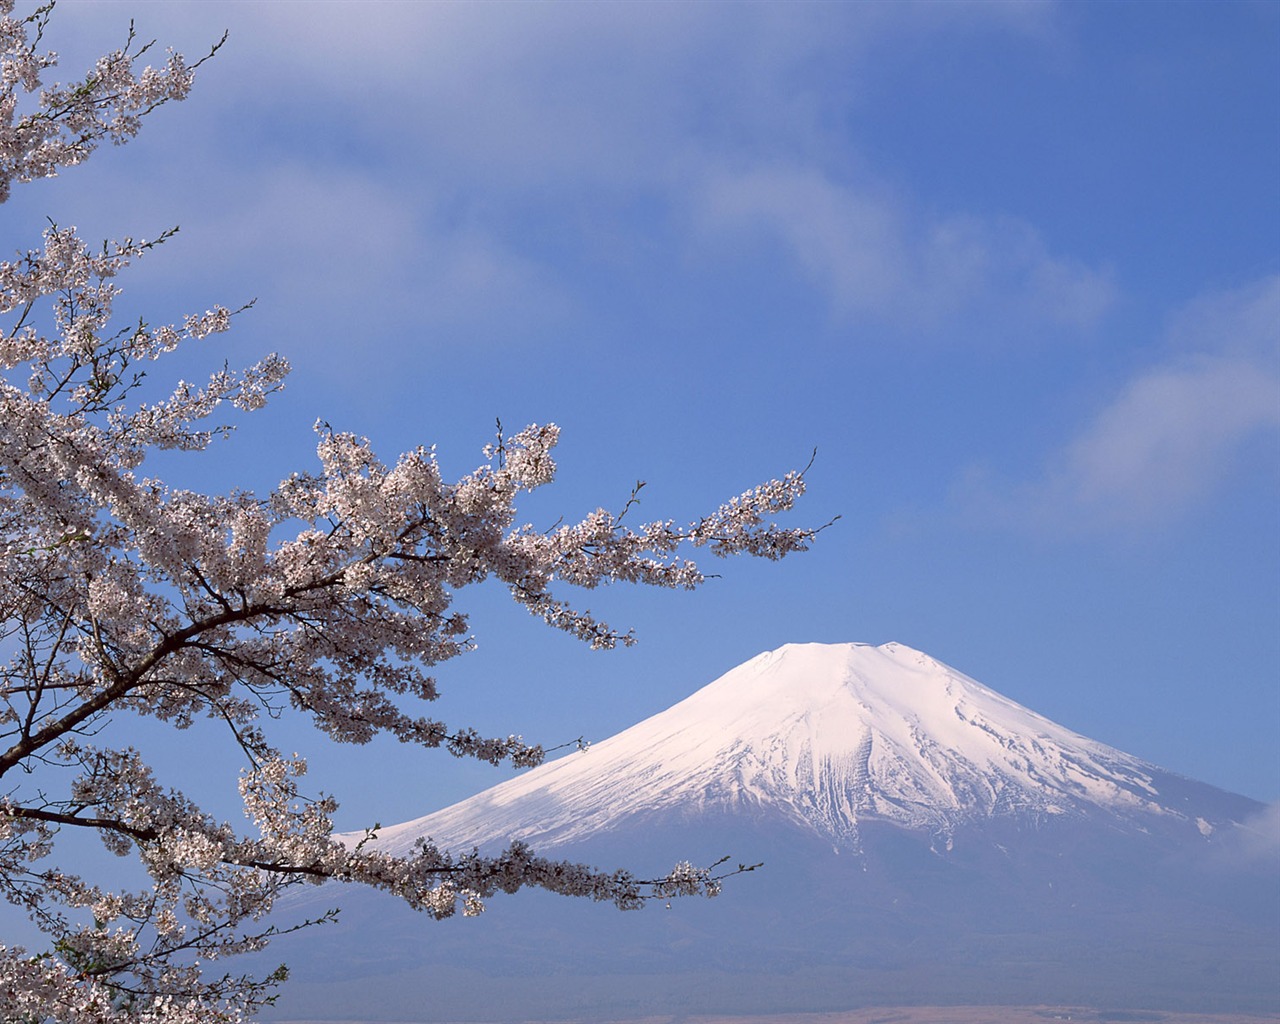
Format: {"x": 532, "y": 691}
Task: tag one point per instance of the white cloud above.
{"x": 870, "y": 256}
{"x": 722, "y": 115}
{"x": 1169, "y": 437}
{"x": 1256, "y": 841}
{"x": 344, "y": 237}
{"x": 547, "y": 101}
{"x": 1173, "y": 433}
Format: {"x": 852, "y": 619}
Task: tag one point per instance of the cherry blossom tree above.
{"x": 334, "y": 597}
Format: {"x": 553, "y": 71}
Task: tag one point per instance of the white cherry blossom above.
{"x": 336, "y": 597}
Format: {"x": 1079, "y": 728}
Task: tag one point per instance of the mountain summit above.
{"x": 831, "y": 737}
{"x": 924, "y": 841}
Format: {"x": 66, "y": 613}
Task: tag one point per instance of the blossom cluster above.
{"x": 65, "y": 123}
{"x": 40, "y": 988}
{"x": 333, "y": 597}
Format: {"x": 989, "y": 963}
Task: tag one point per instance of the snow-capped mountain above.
{"x": 925, "y": 841}
{"x": 831, "y": 737}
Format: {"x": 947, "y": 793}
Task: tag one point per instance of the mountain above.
{"x": 924, "y": 839}
{"x": 828, "y": 738}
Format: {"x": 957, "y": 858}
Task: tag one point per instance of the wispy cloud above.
{"x": 721, "y": 119}
{"x": 870, "y": 256}
{"x": 330, "y": 240}
{"x": 1171, "y": 435}
{"x": 1255, "y": 841}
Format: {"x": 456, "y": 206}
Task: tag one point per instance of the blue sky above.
{"x": 1013, "y": 269}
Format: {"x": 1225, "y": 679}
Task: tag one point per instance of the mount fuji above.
{"x": 924, "y": 839}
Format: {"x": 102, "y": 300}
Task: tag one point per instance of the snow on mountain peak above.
{"x": 828, "y": 735}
